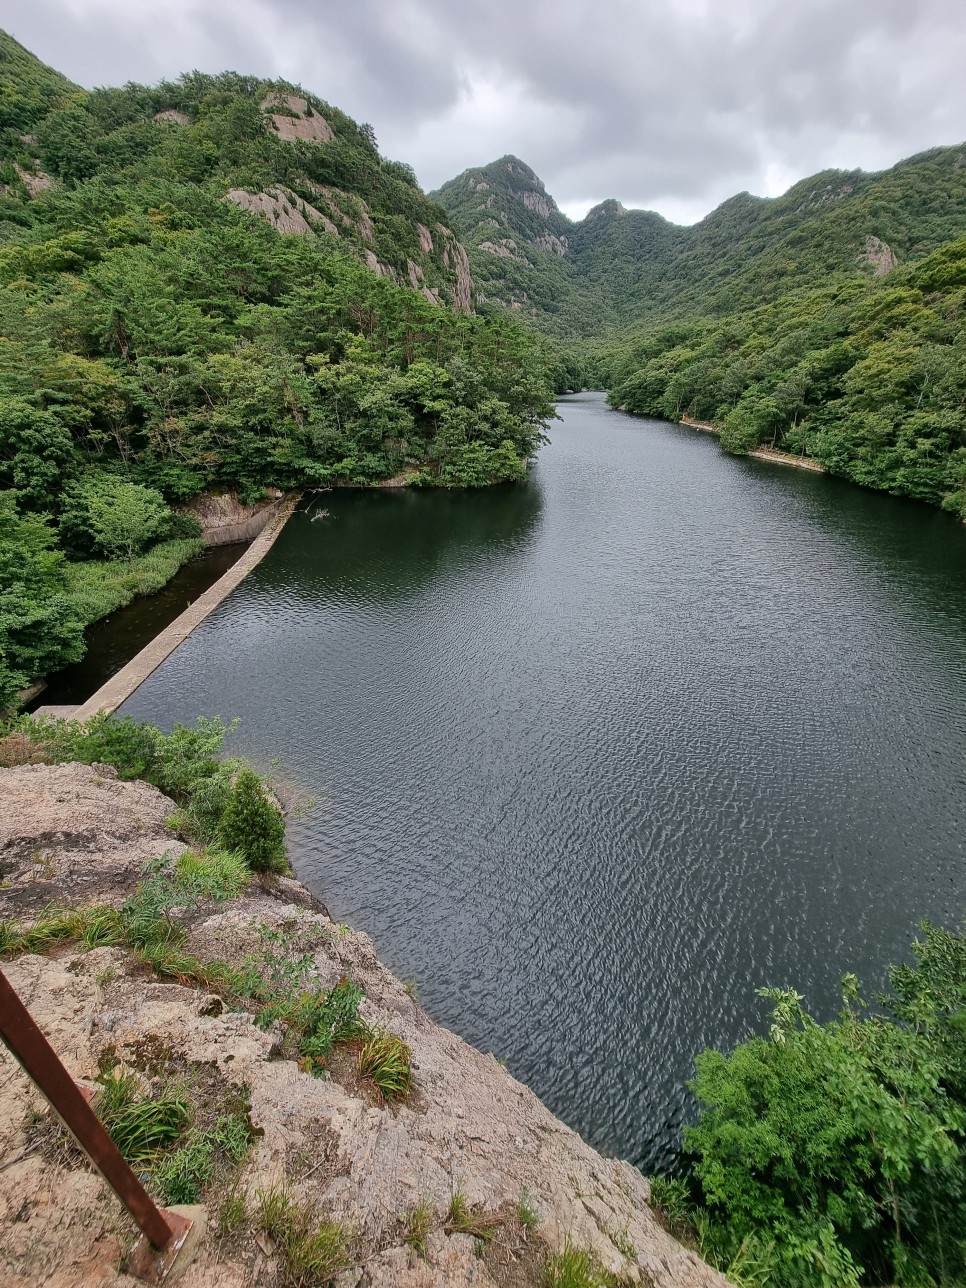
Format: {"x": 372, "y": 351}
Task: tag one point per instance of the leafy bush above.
{"x": 252, "y": 825}
{"x": 104, "y": 514}
{"x": 40, "y": 628}
{"x": 830, "y": 1153}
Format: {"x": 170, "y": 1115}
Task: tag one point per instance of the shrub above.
{"x": 253, "y": 826}
{"x": 833, "y": 1151}
{"x": 104, "y": 514}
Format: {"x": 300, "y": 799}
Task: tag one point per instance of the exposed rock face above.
{"x": 172, "y": 116}
{"x": 76, "y": 832}
{"x": 455, "y": 257}
{"x": 425, "y": 239}
{"x": 536, "y": 201}
{"x": 225, "y": 519}
{"x": 34, "y": 181}
{"x": 468, "y": 1124}
{"x": 879, "y": 255}
{"x": 299, "y": 121}
{"x": 556, "y": 245}
{"x": 283, "y": 210}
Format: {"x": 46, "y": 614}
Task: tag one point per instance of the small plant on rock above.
{"x": 385, "y": 1061}
{"x": 312, "y": 1251}
{"x": 420, "y": 1222}
{"x": 253, "y": 826}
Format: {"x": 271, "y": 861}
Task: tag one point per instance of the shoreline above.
{"x": 132, "y": 675}
{"x": 760, "y": 453}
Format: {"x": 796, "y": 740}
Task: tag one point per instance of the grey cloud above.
{"x": 673, "y": 102}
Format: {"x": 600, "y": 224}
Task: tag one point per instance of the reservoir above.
{"x": 597, "y": 756}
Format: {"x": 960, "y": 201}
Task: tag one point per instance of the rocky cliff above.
{"x": 468, "y": 1180}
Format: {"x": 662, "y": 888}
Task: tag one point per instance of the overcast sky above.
{"x": 670, "y": 105}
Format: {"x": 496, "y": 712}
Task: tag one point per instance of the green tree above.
{"x": 107, "y": 515}
{"x": 40, "y": 630}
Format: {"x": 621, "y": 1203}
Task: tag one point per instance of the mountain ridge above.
{"x": 622, "y": 265}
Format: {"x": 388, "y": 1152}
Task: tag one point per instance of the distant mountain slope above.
{"x": 273, "y": 148}
{"x": 618, "y": 266}
{"x": 26, "y": 86}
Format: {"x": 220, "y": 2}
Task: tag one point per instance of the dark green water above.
{"x": 598, "y": 756}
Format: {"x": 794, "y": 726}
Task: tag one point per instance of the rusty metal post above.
{"x": 165, "y": 1231}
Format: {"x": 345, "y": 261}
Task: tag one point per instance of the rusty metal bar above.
{"x": 30, "y": 1048}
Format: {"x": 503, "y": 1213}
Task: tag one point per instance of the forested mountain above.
{"x": 616, "y": 266}
{"x": 217, "y": 283}
{"x": 827, "y": 322}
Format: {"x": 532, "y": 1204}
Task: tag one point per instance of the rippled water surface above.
{"x": 597, "y": 756}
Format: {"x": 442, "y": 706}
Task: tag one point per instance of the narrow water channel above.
{"x": 597, "y": 756}
{"x": 115, "y": 639}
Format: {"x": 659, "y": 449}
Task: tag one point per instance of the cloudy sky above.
{"x": 671, "y": 105}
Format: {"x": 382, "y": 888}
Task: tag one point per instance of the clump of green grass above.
{"x": 575, "y": 1268}
{"x": 140, "y": 1126}
{"x": 385, "y": 1060}
{"x": 182, "y": 1174}
{"x": 420, "y": 1222}
{"x": 671, "y": 1197}
{"x": 465, "y": 1218}
{"x": 212, "y": 873}
{"x": 232, "y": 1212}
{"x": 312, "y": 1251}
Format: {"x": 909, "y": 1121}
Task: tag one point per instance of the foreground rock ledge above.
{"x": 73, "y": 833}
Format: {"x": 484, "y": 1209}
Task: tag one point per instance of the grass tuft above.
{"x": 312, "y": 1251}
{"x": 212, "y": 873}
{"x": 420, "y": 1222}
{"x": 385, "y": 1060}
{"x": 575, "y": 1267}
{"x": 140, "y": 1127}
{"x": 464, "y": 1218}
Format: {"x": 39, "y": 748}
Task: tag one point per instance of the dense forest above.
{"x": 217, "y": 283}
{"x": 867, "y": 377}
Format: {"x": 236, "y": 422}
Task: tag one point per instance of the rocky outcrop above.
{"x": 467, "y": 1125}
{"x": 879, "y": 256}
{"x": 292, "y": 118}
{"x": 35, "y": 181}
{"x": 283, "y": 210}
{"x": 225, "y": 519}
{"x": 76, "y": 833}
{"x": 456, "y": 259}
{"x": 172, "y": 116}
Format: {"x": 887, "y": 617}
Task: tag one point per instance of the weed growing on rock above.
{"x": 232, "y": 1212}
{"x": 575, "y": 1267}
{"x": 312, "y": 1251}
{"x": 385, "y": 1061}
{"x": 526, "y": 1212}
{"x": 182, "y": 1174}
{"x": 420, "y": 1223}
{"x": 464, "y": 1218}
{"x": 212, "y": 873}
{"x": 141, "y": 1127}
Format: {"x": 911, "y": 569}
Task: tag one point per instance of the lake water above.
{"x": 597, "y": 756}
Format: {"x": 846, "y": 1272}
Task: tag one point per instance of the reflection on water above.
{"x": 598, "y": 756}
